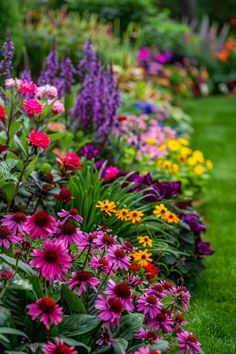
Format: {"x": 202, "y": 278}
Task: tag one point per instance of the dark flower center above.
{"x": 153, "y": 352}
{"x": 4, "y": 232}
{"x": 192, "y": 338}
{"x": 19, "y": 217}
{"x": 74, "y": 211}
{"x": 109, "y": 240}
{"x": 92, "y": 237}
{"x": 120, "y": 253}
{"x": 103, "y": 261}
{"x": 167, "y": 285}
{"x": 41, "y": 218}
{"x": 144, "y": 256}
{"x": 179, "y": 317}
{"x": 122, "y": 290}
{"x": 62, "y": 349}
{"x": 68, "y": 228}
{"x": 115, "y": 305}
{"x": 152, "y": 299}
{"x": 150, "y": 336}
{"x": 82, "y": 276}
{"x": 47, "y": 305}
{"x": 161, "y": 317}
{"x": 51, "y": 256}
{"x": 128, "y": 245}
{"x": 158, "y": 288}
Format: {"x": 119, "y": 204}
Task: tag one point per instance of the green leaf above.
{"x": 121, "y": 346}
{"x": 23, "y": 266}
{"x": 75, "y": 325}
{"x": 56, "y": 136}
{"x": 161, "y": 345}
{"x": 9, "y": 330}
{"x": 129, "y": 324}
{"x": 73, "y": 302}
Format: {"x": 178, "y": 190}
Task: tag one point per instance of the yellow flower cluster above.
{"x": 142, "y": 257}
{"x": 172, "y": 167}
{"x": 109, "y": 207}
{"x": 162, "y": 212}
{"x": 197, "y": 161}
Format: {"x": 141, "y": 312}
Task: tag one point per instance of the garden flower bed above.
{"x": 99, "y": 236}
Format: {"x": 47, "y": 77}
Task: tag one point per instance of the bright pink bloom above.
{"x": 7, "y": 274}
{"x": 52, "y": 262}
{"x": 7, "y": 237}
{"x": 157, "y": 290}
{"x": 182, "y": 296}
{"x": 110, "y": 310}
{"x": 121, "y": 291}
{"x": 188, "y": 343}
{"x": 2, "y": 113}
{"x": 105, "y": 241}
{"x": 39, "y": 139}
{"x": 58, "y": 107}
{"x": 81, "y": 279}
{"x": 70, "y": 214}
{"x": 98, "y": 262}
{"x": 71, "y": 160}
{"x": 27, "y": 88}
{"x": 15, "y": 221}
{"x": 147, "y": 335}
{"x": 46, "y": 91}
{"x": 149, "y": 305}
{"x": 47, "y": 310}
{"x": 111, "y": 172}
{"x": 32, "y": 107}
{"x": 168, "y": 286}
{"x": 40, "y": 224}
{"x": 118, "y": 257}
{"x": 144, "y": 54}
{"x": 161, "y": 321}
{"x": 146, "y": 350}
{"x": 58, "y": 348}
{"x": 86, "y": 240}
{"x": 67, "y": 232}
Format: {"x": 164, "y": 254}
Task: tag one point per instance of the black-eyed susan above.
{"x": 122, "y": 214}
{"x": 107, "y": 206}
{"x": 171, "y": 218}
{"x": 143, "y": 258}
{"x": 135, "y": 216}
{"x": 146, "y": 241}
{"x": 160, "y": 210}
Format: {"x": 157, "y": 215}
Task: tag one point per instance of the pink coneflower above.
{"x": 168, "y": 286}
{"x": 106, "y": 338}
{"x": 70, "y": 214}
{"x": 110, "y": 310}
{"x": 7, "y": 274}
{"x": 71, "y": 160}
{"x": 15, "y": 221}
{"x": 64, "y": 196}
{"x": 32, "y": 107}
{"x": 146, "y": 350}
{"x": 58, "y": 348}
{"x": 188, "y": 343}
{"x": 67, "y": 232}
{"x": 161, "y": 321}
{"x": 157, "y": 290}
{"x": 7, "y": 236}
{"x": 27, "y": 87}
{"x": 118, "y": 257}
{"x": 86, "y": 240}
{"x": 40, "y": 224}
{"x": 105, "y": 241}
{"x": 98, "y": 262}
{"x": 46, "y": 91}
{"x": 81, "y": 279}
{"x": 58, "y": 107}
{"x": 2, "y": 113}
{"x": 39, "y": 139}
{"x": 149, "y": 305}
{"x": 47, "y": 310}
{"x": 121, "y": 291}
{"x": 52, "y": 261}
{"x": 134, "y": 280}
{"x": 182, "y": 296}
{"x": 147, "y": 335}
{"x": 179, "y": 320}
{"x": 111, "y": 172}
{"x": 128, "y": 247}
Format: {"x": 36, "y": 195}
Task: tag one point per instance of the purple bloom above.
{"x": 89, "y": 151}
{"x": 70, "y": 214}
{"x": 48, "y": 75}
{"x": 193, "y": 221}
{"x": 68, "y": 233}
{"x": 147, "y": 335}
{"x": 66, "y": 79}
{"x": 26, "y": 75}
{"x": 15, "y": 222}
{"x": 110, "y": 310}
{"x": 188, "y": 343}
{"x": 80, "y": 280}
{"x": 118, "y": 257}
{"x": 161, "y": 321}
{"x": 121, "y": 291}
{"x": 149, "y": 305}
{"x": 144, "y": 54}
{"x": 203, "y": 248}
{"x": 8, "y": 54}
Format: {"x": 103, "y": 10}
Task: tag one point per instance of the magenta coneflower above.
{"x": 67, "y": 232}
{"x": 128, "y": 247}
{"x": 7, "y": 237}
{"x": 146, "y": 350}
{"x": 147, "y": 335}
{"x": 7, "y": 274}
{"x": 110, "y": 310}
{"x": 161, "y": 321}
{"x": 179, "y": 320}
{"x": 167, "y": 286}
{"x": 188, "y": 343}
{"x": 15, "y": 221}
{"x": 86, "y": 240}
{"x": 149, "y": 305}
{"x": 182, "y": 296}
{"x": 47, "y": 310}
{"x": 121, "y": 291}
{"x": 105, "y": 241}
{"x": 157, "y": 290}
{"x": 81, "y": 279}
{"x": 52, "y": 261}
{"x": 134, "y": 280}
{"x": 98, "y": 262}
{"x": 40, "y": 224}
{"x": 70, "y": 214}
{"x": 118, "y": 257}
{"x": 58, "y": 348}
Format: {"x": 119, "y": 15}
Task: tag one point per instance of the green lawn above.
{"x": 213, "y": 311}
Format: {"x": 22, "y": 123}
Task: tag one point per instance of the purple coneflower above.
{"x": 67, "y": 232}
{"x": 72, "y": 213}
{"x": 161, "y": 321}
{"x": 121, "y": 291}
{"x": 58, "y": 348}
{"x": 118, "y": 257}
{"x": 104, "y": 240}
{"x": 146, "y": 350}
{"x": 157, "y": 290}
{"x": 110, "y": 310}
{"x": 40, "y": 224}
{"x": 99, "y": 262}
{"x": 47, "y": 310}
{"x": 147, "y": 335}
{"x": 81, "y": 279}
{"x": 188, "y": 343}
{"x": 15, "y": 222}
{"x": 149, "y": 305}
{"x": 182, "y": 296}
{"x": 7, "y": 236}
{"x": 86, "y": 240}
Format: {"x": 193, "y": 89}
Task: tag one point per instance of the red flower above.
{"x": 64, "y": 195}
{"x": 27, "y": 87}
{"x": 38, "y": 139}
{"x": 151, "y": 270}
{"x": 32, "y": 107}
{"x": 121, "y": 118}
{"x": 2, "y": 113}
{"x": 2, "y": 148}
{"x": 71, "y": 160}
{"x": 134, "y": 267}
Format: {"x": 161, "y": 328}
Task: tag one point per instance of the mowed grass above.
{"x": 213, "y": 309}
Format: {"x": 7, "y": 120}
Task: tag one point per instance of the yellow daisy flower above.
{"x": 209, "y": 164}
{"x": 174, "y": 168}
{"x": 160, "y": 210}
{"x": 199, "y": 170}
{"x": 171, "y": 218}
{"x": 107, "y": 206}
{"x": 122, "y": 214}
{"x": 146, "y": 241}
{"x": 183, "y": 141}
{"x": 135, "y": 216}
{"x": 192, "y": 161}
{"x": 198, "y": 156}
{"x": 173, "y": 145}
{"x": 142, "y": 257}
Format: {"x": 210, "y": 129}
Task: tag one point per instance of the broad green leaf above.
{"x": 74, "y": 325}
{"x": 129, "y": 324}
{"x": 23, "y": 266}
{"x": 12, "y": 331}
{"x": 73, "y": 302}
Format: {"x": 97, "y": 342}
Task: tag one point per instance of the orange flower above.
{"x": 223, "y": 55}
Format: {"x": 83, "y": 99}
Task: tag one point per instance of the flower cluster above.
{"x": 123, "y": 214}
